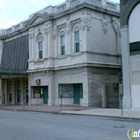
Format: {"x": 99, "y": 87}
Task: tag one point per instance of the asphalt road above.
{"x": 44, "y": 126}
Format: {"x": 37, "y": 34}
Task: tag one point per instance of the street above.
{"x": 16, "y": 125}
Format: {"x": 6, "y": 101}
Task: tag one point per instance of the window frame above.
{"x": 40, "y": 50}
{"x": 62, "y": 44}
{"x": 76, "y": 42}
{"x": 40, "y": 46}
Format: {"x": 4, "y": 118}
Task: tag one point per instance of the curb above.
{"x": 67, "y": 113}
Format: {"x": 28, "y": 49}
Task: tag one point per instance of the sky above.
{"x": 14, "y": 11}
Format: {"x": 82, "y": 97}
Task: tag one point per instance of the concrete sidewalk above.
{"x": 76, "y": 109}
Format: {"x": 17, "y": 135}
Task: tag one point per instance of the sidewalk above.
{"x": 76, "y": 109}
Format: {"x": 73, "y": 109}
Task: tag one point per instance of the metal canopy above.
{"x": 15, "y": 56}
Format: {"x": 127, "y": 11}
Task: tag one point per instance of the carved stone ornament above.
{"x": 40, "y": 38}
{"x": 47, "y": 23}
{"x": 54, "y": 34}
{"x": 47, "y": 29}
{"x": 86, "y": 23}
{"x": 125, "y": 1}
{"x": 105, "y": 26}
{"x": 31, "y": 35}
{"x": 85, "y": 11}
{"x": 67, "y": 29}
{"x": 31, "y": 29}
{"x": 68, "y": 17}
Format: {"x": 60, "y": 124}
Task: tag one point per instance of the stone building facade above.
{"x": 74, "y": 52}
{"x": 130, "y": 43}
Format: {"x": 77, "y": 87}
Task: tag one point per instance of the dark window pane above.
{"x": 62, "y": 50}
{"x": 77, "y": 48}
{"x": 40, "y": 54}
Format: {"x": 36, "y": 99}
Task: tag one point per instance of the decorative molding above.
{"x": 31, "y": 30}
{"x": 47, "y": 23}
{"x": 105, "y": 23}
{"x": 54, "y": 33}
{"x": 86, "y": 23}
{"x": 105, "y": 26}
{"x": 85, "y": 11}
{"x": 125, "y": 1}
{"x": 68, "y": 16}
{"x": 67, "y": 29}
{"x": 47, "y": 29}
{"x": 54, "y": 22}
{"x": 39, "y": 30}
{"x": 40, "y": 37}
{"x": 31, "y": 35}
{"x": 116, "y": 25}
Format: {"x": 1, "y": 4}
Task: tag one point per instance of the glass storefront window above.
{"x": 37, "y": 92}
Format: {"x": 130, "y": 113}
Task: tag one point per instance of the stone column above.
{"x": 1, "y": 48}
{"x": 29, "y": 90}
{"x": 22, "y": 87}
{"x": 0, "y": 91}
{"x": 51, "y": 91}
{"x": 5, "y": 91}
{"x": 127, "y": 99}
{"x": 13, "y": 91}
{"x": 104, "y": 96}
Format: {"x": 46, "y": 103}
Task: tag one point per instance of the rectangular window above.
{"x": 77, "y": 42}
{"x": 40, "y": 50}
{"x": 37, "y": 92}
{"x": 62, "y": 45}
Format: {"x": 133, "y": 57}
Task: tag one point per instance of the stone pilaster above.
{"x": 127, "y": 101}
{"x": 13, "y": 91}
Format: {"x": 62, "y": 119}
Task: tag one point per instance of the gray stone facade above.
{"x": 59, "y": 67}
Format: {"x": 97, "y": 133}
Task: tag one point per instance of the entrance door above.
{"x": 45, "y": 95}
{"x": 77, "y": 90}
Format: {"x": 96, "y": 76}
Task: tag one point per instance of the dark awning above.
{"x": 15, "y": 56}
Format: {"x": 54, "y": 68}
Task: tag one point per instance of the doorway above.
{"x": 77, "y": 93}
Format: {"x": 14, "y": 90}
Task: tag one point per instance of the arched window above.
{"x": 40, "y": 40}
